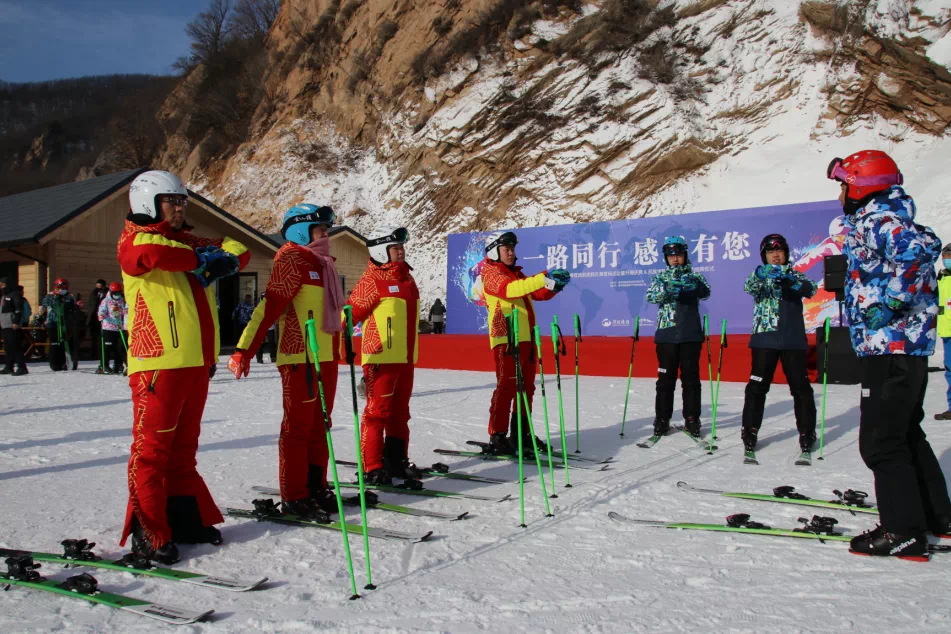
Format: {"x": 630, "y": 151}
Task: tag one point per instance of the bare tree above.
{"x": 209, "y": 31}
{"x": 252, "y": 19}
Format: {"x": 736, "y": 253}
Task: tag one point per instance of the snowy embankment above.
{"x": 64, "y": 444}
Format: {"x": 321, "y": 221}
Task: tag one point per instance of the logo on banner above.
{"x": 607, "y": 323}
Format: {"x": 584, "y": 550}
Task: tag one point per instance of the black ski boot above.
{"x": 397, "y": 465}
{"x": 499, "y": 445}
{"x": 304, "y": 508}
{"x": 166, "y": 554}
{"x": 942, "y": 527}
{"x": 6, "y": 370}
{"x": 880, "y": 543}
{"x": 692, "y": 426}
{"x": 943, "y": 415}
{"x": 320, "y": 495}
{"x": 377, "y": 476}
{"x": 184, "y": 519}
{"x": 20, "y": 371}
{"x": 661, "y": 426}
{"x": 749, "y": 438}
{"x": 806, "y": 441}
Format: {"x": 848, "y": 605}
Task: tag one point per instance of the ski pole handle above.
{"x": 637, "y": 328}
{"x": 348, "y": 339}
{"x": 514, "y": 327}
{"x": 578, "y": 328}
{"x": 311, "y": 327}
{"x": 538, "y": 342}
{"x": 723, "y": 341}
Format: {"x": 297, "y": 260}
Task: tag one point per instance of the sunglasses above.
{"x": 175, "y": 201}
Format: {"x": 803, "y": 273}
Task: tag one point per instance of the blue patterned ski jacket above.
{"x": 777, "y": 310}
{"x": 678, "y": 314}
{"x": 891, "y": 257}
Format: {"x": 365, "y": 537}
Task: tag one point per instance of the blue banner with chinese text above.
{"x": 612, "y": 263}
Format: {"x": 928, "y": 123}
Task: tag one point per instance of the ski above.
{"x": 294, "y": 520}
{"x": 749, "y": 457}
{"x": 804, "y": 459}
{"x": 818, "y": 528}
{"x": 383, "y": 506}
{"x": 700, "y": 441}
{"x": 650, "y": 442}
{"x": 78, "y": 552}
{"x": 513, "y": 458}
{"x": 440, "y": 470}
{"x": 554, "y": 452}
{"x": 852, "y": 501}
{"x": 22, "y": 572}
{"x": 397, "y": 488}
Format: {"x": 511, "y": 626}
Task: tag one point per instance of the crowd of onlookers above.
{"x": 58, "y": 327}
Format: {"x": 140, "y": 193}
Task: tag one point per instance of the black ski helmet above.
{"x": 773, "y": 242}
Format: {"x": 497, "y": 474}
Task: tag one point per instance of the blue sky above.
{"x": 52, "y": 39}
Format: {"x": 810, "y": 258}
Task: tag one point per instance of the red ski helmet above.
{"x": 865, "y": 173}
{"x": 61, "y": 282}
{"x": 115, "y": 287}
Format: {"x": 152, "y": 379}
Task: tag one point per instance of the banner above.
{"x": 612, "y": 263}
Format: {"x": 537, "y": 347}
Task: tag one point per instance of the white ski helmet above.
{"x": 496, "y": 239}
{"x": 143, "y": 206}
{"x": 382, "y": 239}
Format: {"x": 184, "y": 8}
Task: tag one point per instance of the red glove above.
{"x": 240, "y": 363}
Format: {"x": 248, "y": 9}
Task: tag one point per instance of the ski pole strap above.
{"x": 348, "y": 339}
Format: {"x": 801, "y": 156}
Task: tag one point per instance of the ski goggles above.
{"x": 836, "y": 172}
{"x": 774, "y": 243}
{"x": 507, "y": 239}
{"x": 675, "y": 249}
{"x": 399, "y": 236}
{"x": 321, "y": 216}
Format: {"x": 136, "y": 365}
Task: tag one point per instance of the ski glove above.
{"x": 240, "y": 363}
{"x": 879, "y": 315}
{"x": 561, "y": 277}
{"x": 214, "y": 264}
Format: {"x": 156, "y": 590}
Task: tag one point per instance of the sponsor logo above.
{"x": 901, "y": 547}
{"x": 662, "y": 370}
{"x": 314, "y": 275}
{"x": 753, "y": 377}
{"x": 394, "y": 289}
{"x": 607, "y": 323}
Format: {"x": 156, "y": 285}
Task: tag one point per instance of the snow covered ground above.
{"x": 64, "y": 443}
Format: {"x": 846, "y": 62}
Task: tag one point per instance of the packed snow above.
{"x": 64, "y": 442}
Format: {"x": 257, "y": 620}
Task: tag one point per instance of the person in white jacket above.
{"x": 113, "y": 313}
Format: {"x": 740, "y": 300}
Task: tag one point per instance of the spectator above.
{"x": 944, "y": 322}
{"x": 61, "y": 325}
{"x": 242, "y": 313}
{"x": 95, "y": 327}
{"x": 113, "y": 313}
{"x": 437, "y": 317}
{"x": 11, "y": 316}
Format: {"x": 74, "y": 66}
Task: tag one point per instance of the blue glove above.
{"x": 775, "y": 273}
{"x": 688, "y": 282}
{"x": 561, "y": 278}
{"x": 877, "y": 316}
{"x": 213, "y": 264}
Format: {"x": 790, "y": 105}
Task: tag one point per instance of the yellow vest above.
{"x": 500, "y": 308}
{"x": 392, "y": 329}
{"x": 292, "y": 327}
{"x": 944, "y": 305}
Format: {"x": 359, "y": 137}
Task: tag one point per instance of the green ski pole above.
{"x": 555, "y": 339}
{"x": 541, "y": 370}
{"x": 630, "y": 371}
{"x": 716, "y": 398}
{"x": 825, "y": 373}
{"x": 314, "y": 349}
{"x": 538, "y": 460}
{"x": 351, "y": 356}
{"x": 102, "y": 351}
{"x": 577, "y": 402}
{"x": 706, "y": 335}
{"x": 513, "y": 339}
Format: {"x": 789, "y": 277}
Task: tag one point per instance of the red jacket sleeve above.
{"x": 364, "y": 298}
{"x": 139, "y": 253}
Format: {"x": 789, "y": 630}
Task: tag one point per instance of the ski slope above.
{"x": 64, "y": 444}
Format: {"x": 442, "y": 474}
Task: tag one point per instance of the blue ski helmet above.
{"x": 674, "y": 245}
{"x": 299, "y": 218}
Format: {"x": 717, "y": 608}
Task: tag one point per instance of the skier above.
{"x": 270, "y": 341}
{"x": 61, "y": 311}
{"x": 891, "y": 302}
{"x": 173, "y": 348}
{"x": 437, "y": 317}
{"x": 113, "y": 313}
{"x": 386, "y": 300}
{"x": 242, "y": 314}
{"x": 11, "y": 318}
{"x": 506, "y": 287}
{"x": 95, "y": 325}
{"x": 944, "y": 322}
{"x": 679, "y": 337}
{"x": 779, "y": 334}
{"x": 304, "y": 284}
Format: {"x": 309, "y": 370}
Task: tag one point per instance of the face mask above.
{"x": 947, "y": 263}
{"x": 62, "y": 291}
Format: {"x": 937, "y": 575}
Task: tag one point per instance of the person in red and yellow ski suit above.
{"x": 173, "y": 349}
{"x": 506, "y": 288}
{"x": 386, "y": 300}
{"x": 302, "y": 281}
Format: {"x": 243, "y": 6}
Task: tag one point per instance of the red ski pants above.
{"x": 166, "y": 421}
{"x": 389, "y": 387}
{"x": 303, "y": 440}
{"x": 503, "y": 399}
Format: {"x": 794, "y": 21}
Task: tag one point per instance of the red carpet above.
{"x": 598, "y": 356}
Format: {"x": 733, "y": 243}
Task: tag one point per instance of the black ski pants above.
{"x": 12, "y": 350}
{"x": 761, "y": 377}
{"x": 270, "y": 340}
{"x": 910, "y": 488}
{"x": 58, "y": 351}
{"x": 671, "y": 358}
{"x": 115, "y": 350}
